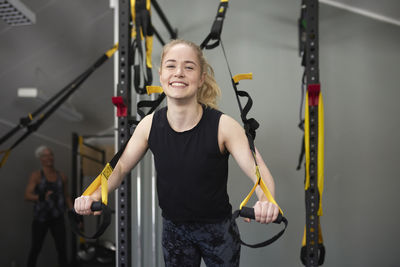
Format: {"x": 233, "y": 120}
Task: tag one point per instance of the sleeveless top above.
{"x": 192, "y": 174}
{"x": 54, "y": 206}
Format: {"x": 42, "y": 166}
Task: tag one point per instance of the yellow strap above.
{"x": 101, "y": 179}
{"x": 151, "y": 89}
{"x": 264, "y": 188}
{"x": 223, "y": 1}
{"x": 30, "y": 116}
{"x": 80, "y": 141}
{"x": 5, "y": 157}
{"x": 320, "y": 163}
{"x": 80, "y": 144}
{"x": 133, "y": 12}
{"x": 111, "y": 52}
{"x": 247, "y": 198}
{"x": 149, "y": 51}
{"x": 320, "y": 152}
{"x": 148, "y": 5}
{"x": 242, "y": 76}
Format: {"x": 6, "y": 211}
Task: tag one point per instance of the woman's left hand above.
{"x": 265, "y": 211}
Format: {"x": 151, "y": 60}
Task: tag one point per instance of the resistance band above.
{"x": 250, "y": 125}
{"x": 28, "y": 121}
{"x": 101, "y": 180}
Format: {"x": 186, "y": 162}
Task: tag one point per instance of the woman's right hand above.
{"x": 82, "y": 205}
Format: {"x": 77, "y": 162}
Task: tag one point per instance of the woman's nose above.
{"x": 179, "y": 71}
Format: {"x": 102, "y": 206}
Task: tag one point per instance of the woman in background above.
{"x": 47, "y": 189}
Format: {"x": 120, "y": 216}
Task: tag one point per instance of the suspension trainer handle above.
{"x": 75, "y": 220}
{"x": 96, "y": 206}
{"x": 247, "y": 212}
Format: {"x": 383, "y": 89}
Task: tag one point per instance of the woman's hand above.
{"x": 82, "y": 205}
{"x": 265, "y": 212}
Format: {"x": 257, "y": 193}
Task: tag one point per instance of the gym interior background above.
{"x": 359, "y": 73}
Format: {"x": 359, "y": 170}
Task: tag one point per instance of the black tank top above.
{"x": 54, "y": 206}
{"x": 192, "y": 173}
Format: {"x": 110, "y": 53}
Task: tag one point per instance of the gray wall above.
{"x": 359, "y": 72}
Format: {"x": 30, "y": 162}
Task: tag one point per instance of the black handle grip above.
{"x": 96, "y": 206}
{"x": 247, "y": 212}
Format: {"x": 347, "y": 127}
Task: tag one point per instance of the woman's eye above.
{"x": 189, "y": 67}
{"x": 170, "y": 66}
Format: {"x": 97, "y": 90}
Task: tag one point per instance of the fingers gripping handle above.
{"x": 96, "y": 206}
{"x": 247, "y": 212}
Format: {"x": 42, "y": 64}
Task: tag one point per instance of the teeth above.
{"x": 178, "y": 84}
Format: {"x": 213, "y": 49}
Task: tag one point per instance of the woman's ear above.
{"x": 202, "y": 78}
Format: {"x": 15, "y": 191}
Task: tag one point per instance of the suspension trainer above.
{"x": 313, "y": 250}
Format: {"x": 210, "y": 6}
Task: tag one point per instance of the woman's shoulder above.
{"x": 228, "y": 126}
{"x": 228, "y": 121}
{"x": 35, "y": 176}
{"x": 145, "y": 123}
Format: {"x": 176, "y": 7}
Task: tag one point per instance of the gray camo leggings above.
{"x": 184, "y": 244}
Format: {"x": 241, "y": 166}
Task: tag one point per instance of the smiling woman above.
{"x": 191, "y": 142}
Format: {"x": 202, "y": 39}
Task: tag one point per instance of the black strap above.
{"x": 152, "y": 104}
{"x": 216, "y": 29}
{"x": 250, "y": 125}
{"x": 142, "y": 25}
{"x": 249, "y": 213}
{"x": 62, "y": 96}
{"x": 76, "y": 220}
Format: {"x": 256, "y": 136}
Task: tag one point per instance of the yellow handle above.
{"x": 242, "y": 76}
{"x": 151, "y": 89}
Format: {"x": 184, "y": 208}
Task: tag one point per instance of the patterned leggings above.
{"x": 184, "y": 244}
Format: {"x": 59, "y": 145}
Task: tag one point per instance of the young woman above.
{"x": 191, "y": 141}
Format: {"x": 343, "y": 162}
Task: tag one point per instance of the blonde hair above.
{"x": 209, "y": 92}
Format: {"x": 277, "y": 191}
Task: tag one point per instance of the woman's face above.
{"x": 180, "y": 73}
{"x": 47, "y": 158}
